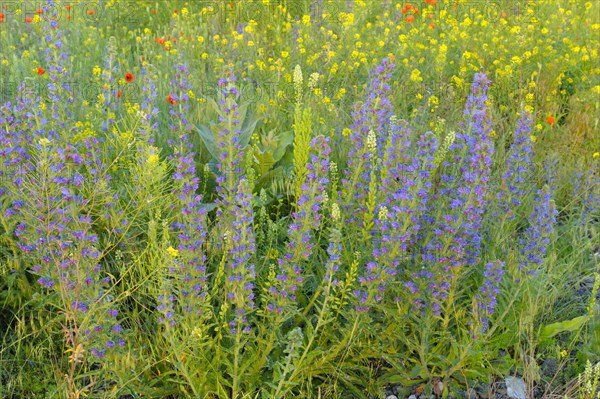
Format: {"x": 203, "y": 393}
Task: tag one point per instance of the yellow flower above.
{"x": 415, "y": 76}
{"x": 285, "y": 54}
{"x": 533, "y": 139}
{"x": 596, "y": 155}
{"x": 173, "y": 252}
{"x": 153, "y": 159}
{"x": 346, "y": 132}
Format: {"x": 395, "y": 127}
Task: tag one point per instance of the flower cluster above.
{"x": 456, "y": 237}
{"x": 489, "y": 291}
{"x": 305, "y": 219}
{"x": 369, "y": 136}
{"x": 536, "y": 239}
{"x": 519, "y": 174}
{"x": 240, "y": 269}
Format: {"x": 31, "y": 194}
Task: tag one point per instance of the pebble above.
{"x": 515, "y": 387}
{"x": 391, "y": 397}
{"x": 412, "y": 397}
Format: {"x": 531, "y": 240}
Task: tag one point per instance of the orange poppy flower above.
{"x": 39, "y": 11}
{"x": 503, "y": 14}
{"x": 68, "y": 17}
{"x": 129, "y": 77}
{"x": 408, "y": 6}
{"x": 431, "y": 26}
{"x": 1, "y": 17}
{"x": 68, "y": 6}
{"x": 119, "y": 94}
{"x": 154, "y": 12}
{"x": 28, "y": 19}
{"x": 416, "y": 10}
{"x": 410, "y": 19}
{"x": 550, "y": 120}
{"x": 171, "y": 100}
{"x": 90, "y": 12}
{"x": 40, "y": 71}
{"x": 430, "y": 16}
{"x": 160, "y": 40}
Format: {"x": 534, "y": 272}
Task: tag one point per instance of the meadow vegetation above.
{"x": 299, "y": 198}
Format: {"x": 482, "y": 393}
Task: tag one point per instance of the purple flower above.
{"x": 517, "y": 179}
{"x": 305, "y": 219}
{"x": 542, "y": 219}
{"x": 489, "y": 291}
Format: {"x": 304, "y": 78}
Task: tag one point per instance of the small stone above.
{"x": 515, "y": 388}
{"x": 391, "y": 397}
{"x": 412, "y": 397}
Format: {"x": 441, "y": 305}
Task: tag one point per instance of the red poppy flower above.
{"x": 90, "y": 12}
{"x": 40, "y": 71}
{"x": 410, "y": 19}
{"x": 28, "y": 19}
{"x": 408, "y": 6}
{"x": 171, "y": 100}
{"x": 550, "y": 120}
{"x": 1, "y": 17}
{"x": 154, "y": 12}
{"x": 119, "y": 94}
{"x": 39, "y": 11}
{"x": 68, "y": 7}
{"x": 129, "y": 77}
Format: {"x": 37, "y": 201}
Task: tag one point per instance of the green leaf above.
{"x": 209, "y": 141}
{"x": 551, "y": 330}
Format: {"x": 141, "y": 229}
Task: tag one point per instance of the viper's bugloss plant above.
{"x": 305, "y": 219}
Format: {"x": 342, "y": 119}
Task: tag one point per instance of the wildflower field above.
{"x": 300, "y": 199}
